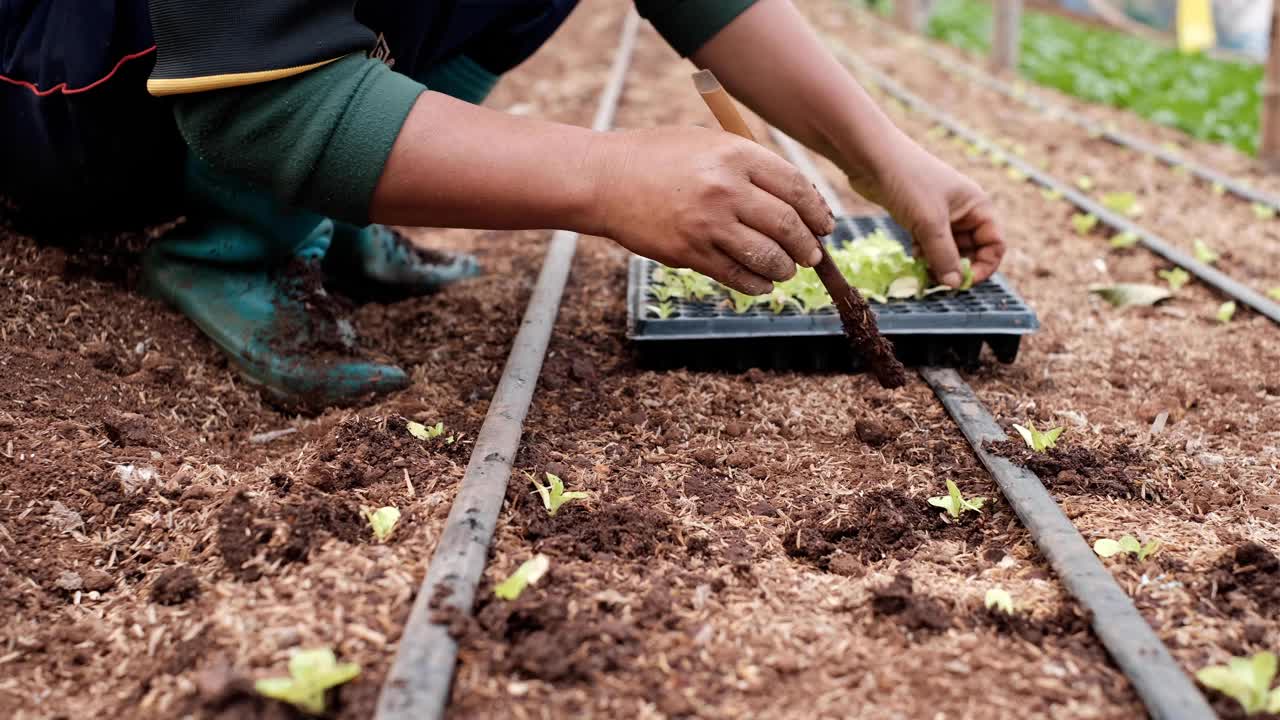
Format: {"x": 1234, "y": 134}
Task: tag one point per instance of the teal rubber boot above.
{"x": 378, "y": 264}
{"x": 247, "y": 273}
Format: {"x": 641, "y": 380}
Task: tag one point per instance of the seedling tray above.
{"x": 940, "y": 329}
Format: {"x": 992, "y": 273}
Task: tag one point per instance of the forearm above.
{"x": 770, "y": 59}
{"x": 458, "y": 165}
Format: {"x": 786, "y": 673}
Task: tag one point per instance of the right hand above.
{"x": 711, "y": 201}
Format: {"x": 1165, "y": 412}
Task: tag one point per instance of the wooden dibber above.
{"x": 855, "y": 314}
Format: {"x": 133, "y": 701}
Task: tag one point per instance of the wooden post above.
{"x": 906, "y": 14}
{"x": 1007, "y": 35}
{"x": 1269, "y": 147}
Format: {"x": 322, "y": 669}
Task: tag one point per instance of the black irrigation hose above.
{"x": 1165, "y": 689}
{"x": 951, "y": 62}
{"x": 1159, "y": 680}
{"x": 417, "y": 685}
{"x": 1207, "y": 274}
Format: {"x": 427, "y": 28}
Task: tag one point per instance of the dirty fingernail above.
{"x": 815, "y": 257}
{"x": 952, "y": 279}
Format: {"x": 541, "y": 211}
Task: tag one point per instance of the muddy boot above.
{"x": 247, "y": 273}
{"x": 378, "y": 264}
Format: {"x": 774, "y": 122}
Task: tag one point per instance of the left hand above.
{"x": 947, "y": 213}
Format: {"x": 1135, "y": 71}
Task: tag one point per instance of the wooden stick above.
{"x": 1269, "y": 146}
{"x": 855, "y": 314}
{"x": 1007, "y": 35}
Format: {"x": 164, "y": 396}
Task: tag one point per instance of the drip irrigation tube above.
{"x": 950, "y": 62}
{"x": 417, "y": 685}
{"x": 1207, "y": 274}
{"x": 1165, "y": 689}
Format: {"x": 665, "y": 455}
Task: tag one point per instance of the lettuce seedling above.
{"x": 664, "y": 293}
{"x": 661, "y": 310}
{"x": 1123, "y": 295}
{"x": 1124, "y": 240}
{"x": 311, "y": 673}
{"x": 383, "y": 521}
{"x": 529, "y": 573}
{"x": 1000, "y": 599}
{"x": 1085, "y": 183}
{"x": 741, "y": 301}
{"x": 1274, "y": 293}
{"x": 1247, "y": 681}
{"x": 1050, "y": 194}
{"x": 1219, "y": 189}
{"x": 1264, "y": 212}
{"x": 1226, "y": 311}
{"x": 425, "y": 432}
{"x": 553, "y": 494}
{"x": 955, "y": 503}
{"x": 1204, "y": 253}
{"x": 1125, "y": 203}
{"x": 1084, "y": 224}
{"x": 1036, "y": 440}
{"x": 1015, "y": 174}
{"x": 1176, "y": 278}
{"x": 1128, "y": 544}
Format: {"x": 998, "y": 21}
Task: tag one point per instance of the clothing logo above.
{"x": 382, "y": 51}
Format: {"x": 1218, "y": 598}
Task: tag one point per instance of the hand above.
{"x": 947, "y": 213}
{"x": 711, "y": 201}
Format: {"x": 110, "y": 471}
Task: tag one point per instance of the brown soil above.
{"x": 1114, "y": 470}
{"x": 672, "y": 589}
{"x": 899, "y": 601}
{"x": 175, "y": 586}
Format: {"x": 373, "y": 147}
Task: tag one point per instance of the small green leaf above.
{"x": 311, "y": 673}
{"x": 1084, "y": 224}
{"x": 1226, "y": 311}
{"x": 1176, "y": 278}
{"x": 1204, "y": 253}
{"x": 553, "y": 494}
{"x": 1274, "y": 293}
{"x": 1106, "y": 547}
{"x": 383, "y": 521}
{"x": 955, "y": 503}
{"x": 1264, "y": 212}
{"x": 1219, "y": 189}
{"x": 529, "y": 573}
{"x": 1000, "y": 599}
{"x": 1050, "y": 194}
{"x": 1246, "y": 680}
{"x": 1130, "y": 544}
{"x": 1085, "y": 183}
{"x": 1015, "y": 174}
{"x": 1037, "y": 440}
{"x": 1123, "y": 202}
{"x": 661, "y": 310}
{"x": 417, "y": 430}
{"x": 1148, "y": 550}
{"x": 1124, "y": 240}
{"x": 1124, "y": 295}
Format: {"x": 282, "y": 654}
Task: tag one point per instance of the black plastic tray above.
{"x": 940, "y": 329}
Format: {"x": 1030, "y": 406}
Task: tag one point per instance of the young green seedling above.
{"x": 1015, "y": 174}
{"x": 529, "y": 573}
{"x": 664, "y": 293}
{"x": 1247, "y": 681}
{"x": 1219, "y": 189}
{"x": 741, "y": 302}
{"x": 1274, "y": 293}
{"x": 1176, "y": 278}
{"x": 1128, "y": 545}
{"x": 662, "y": 310}
{"x": 1123, "y": 295}
{"x": 1203, "y": 252}
{"x": 383, "y": 521}
{"x": 311, "y": 673}
{"x": 1037, "y": 440}
{"x": 1000, "y": 599}
{"x": 425, "y": 432}
{"x": 1085, "y": 183}
{"x": 1124, "y": 240}
{"x": 553, "y": 494}
{"x": 1125, "y": 203}
{"x": 955, "y": 503}
{"x": 1264, "y": 212}
{"x": 1050, "y": 194}
{"x": 1226, "y": 311}
{"x": 1084, "y": 224}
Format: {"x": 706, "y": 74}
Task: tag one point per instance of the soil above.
{"x": 1114, "y": 470}
{"x": 130, "y": 450}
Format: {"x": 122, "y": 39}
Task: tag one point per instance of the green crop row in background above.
{"x": 1210, "y": 99}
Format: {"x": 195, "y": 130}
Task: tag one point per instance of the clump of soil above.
{"x": 307, "y": 520}
{"x": 872, "y": 432}
{"x": 714, "y": 492}
{"x": 363, "y": 451}
{"x": 240, "y": 535}
{"x": 1252, "y": 571}
{"x": 911, "y": 610}
{"x": 1034, "y": 629}
{"x": 1112, "y": 470}
{"x": 175, "y": 586}
{"x": 551, "y": 634}
{"x": 880, "y": 524}
{"x": 623, "y": 530}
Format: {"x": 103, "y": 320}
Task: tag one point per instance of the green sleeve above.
{"x": 318, "y": 140}
{"x": 688, "y": 24}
